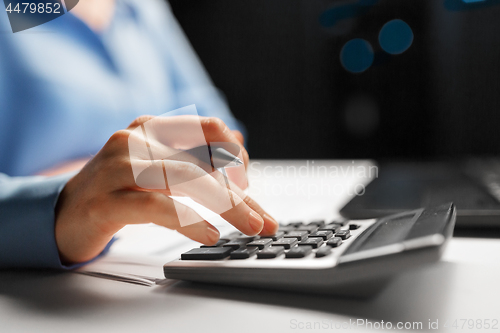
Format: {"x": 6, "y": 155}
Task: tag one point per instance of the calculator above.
{"x": 354, "y": 258}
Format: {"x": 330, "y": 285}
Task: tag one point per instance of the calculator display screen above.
{"x": 388, "y": 232}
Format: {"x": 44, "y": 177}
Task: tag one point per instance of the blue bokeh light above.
{"x": 357, "y": 55}
{"x": 395, "y": 37}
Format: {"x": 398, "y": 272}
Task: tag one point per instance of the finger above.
{"x": 239, "y": 136}
{"x": 146, "y": 207}
{"x": 202, "y": 232}
{"x": 139, "y": 121}
{"x": 138, "y": 207}
{"x": 270, "y": 224}
{"x": 179, "y": 127}
{"x": 216, "y": 130}
{"x": 142, "y": 207}
{"x": 146, "y": 146}
{"x": 186, "y": 179}
{"x": 193, "y": 182}
{"x": 147, "y": 151}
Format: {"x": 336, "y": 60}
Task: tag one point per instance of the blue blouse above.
{"x": 64, "y": 89}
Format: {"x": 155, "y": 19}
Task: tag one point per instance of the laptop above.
{"x": 472, "y": 184}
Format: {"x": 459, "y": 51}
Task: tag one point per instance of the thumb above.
{"x": 139, "y": 121}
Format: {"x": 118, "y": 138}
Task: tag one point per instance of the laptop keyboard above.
{"x": 294, "y": 241}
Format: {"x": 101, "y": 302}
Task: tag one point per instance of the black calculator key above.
{"x": 244, "y": 253}
{"x": 219, "y": 243}
{"x": 300, "y": 235}
{"x": 299, "y": 252}
{"x": 270, "y": 252}
{"x": 315, "y": 242}
{"x": 344, "y": 234}
{"x": 325, "y": 234}
{"x": 287, "y": 228}
{"x": 278, "y": 235}
{"x": 354, "y": 226}
{"x": 235, "y": 244}
{"x": 333, "y": 227}
{"x": 296, "y": 224}
{"x": 232, "y": 236}
{"x": 319, "y": 223}
{"x": 340, "y": 222}
{"x": 260, "y": 243}
{"x": 247, "y": 239}
{"x": 207, "y": 253}
{"x": 334, "y": 242}
{"x": 309, "y": 228}
{"x": 323, "y": 252}
{"x": 285, "y": 242}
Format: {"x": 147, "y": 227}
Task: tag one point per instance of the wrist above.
{"x": 79, "y": 233}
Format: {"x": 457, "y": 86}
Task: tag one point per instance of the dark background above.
{"x": 280, "y": 71}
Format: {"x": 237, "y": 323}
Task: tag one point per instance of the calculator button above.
{"x": 219, "y": 243}
{"x": 354, "y": 226}
{"x": 285, "y": 242}
{"x": 309, "y": 228}
{"x": 235, "y": 244}
{"x": 277, "y": 236}
{"x": 260, "y": 243}
{"x": 319, "y": 223}
{"x": 323, "y": 252}
{"x": 287, "y": 228}
{"x": 299, "y": 252}
{"x": 339, "y": 222}
{"x": 247, "y": 239}
{"x": 300, "y": 235}
{"x": 344, "y": 234}
{"x": 208, "y": 253}
{"x": 296, "y": 224}
{"x": 244, "y": 253}
{"x": 334, "y": 242}
{"x": 325, "y": 234}
{"x": 333, "y": 227}
{"x": 232, "y": 236}
{"x": 315, "y": 242}
{"x": 270, "y": 252}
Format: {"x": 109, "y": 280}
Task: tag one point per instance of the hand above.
{"x": 69, "y": 166}
{"x": 104, "y": 197}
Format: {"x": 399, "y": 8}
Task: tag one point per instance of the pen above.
{"x": 218, "y": 156}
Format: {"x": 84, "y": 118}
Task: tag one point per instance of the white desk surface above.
{"x": 464, "y": 285}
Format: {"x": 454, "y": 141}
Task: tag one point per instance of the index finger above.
{"x": 270, "y": 224}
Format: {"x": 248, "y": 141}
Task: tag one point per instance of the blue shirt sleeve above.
{"x": 27, "y": 216}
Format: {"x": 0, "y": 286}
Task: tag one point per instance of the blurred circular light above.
{"x": 356, "y": 55}
{"x": 395, "y": 37}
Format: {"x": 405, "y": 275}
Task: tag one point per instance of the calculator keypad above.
{"x": 295, "y": 240}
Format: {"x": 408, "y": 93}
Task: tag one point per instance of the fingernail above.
{"x": 271, "y": 220}
{"x": 255, "y": 221}
{"x": 213, "y": 235}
